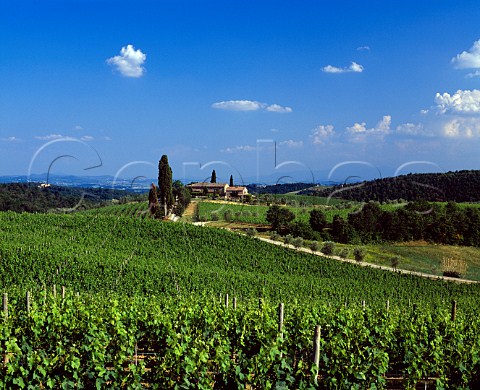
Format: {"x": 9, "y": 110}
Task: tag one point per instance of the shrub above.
{"x": 359, "y": 254}
{"x": 251, "y": 232}
{"x": 328, "y": 248}
{"x": 274, "y": 235}
{"x": 394, "y": 261}
{"x": 344, "y": 253}
{"x": 227, "y": 215}
{"x": 288, "y": 239}
{"x": 214, "y": 216}
{"x": 297, "y": 242}
{"x": 313, "y": 246}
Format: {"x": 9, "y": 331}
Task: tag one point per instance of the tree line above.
{"x": 420, "y": 220}
{"x": 458, "y": 186}
{"x": 31, "y": 198}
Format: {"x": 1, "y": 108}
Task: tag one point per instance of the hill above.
{"x": 458, "y": 186}
{"x": 31, "y": 197}
{"x": 277, "y": 189}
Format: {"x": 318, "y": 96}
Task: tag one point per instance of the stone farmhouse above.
{"x": 219, "y": 189}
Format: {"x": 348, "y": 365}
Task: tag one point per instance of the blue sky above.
{"x": 391, "y": 87}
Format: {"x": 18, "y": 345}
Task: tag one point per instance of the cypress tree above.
{"x": 231, "y": 181}
{"x": 214, "y": 177}
{"x": 165, "y": 183}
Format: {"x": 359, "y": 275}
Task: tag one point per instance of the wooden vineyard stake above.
{"x": 28, "y": 301}
{"x": 5, "y": 305}
{"x": 280, "y": 319}
{"x": 454, "y": 310}
{"x": 316, "y": 350}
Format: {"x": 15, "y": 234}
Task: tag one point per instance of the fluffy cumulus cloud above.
{"x": 321, "y": 134}
{"x": 249, "y": 105}
{"x": 359, "y": 131}
{"x": 278, "y": 108}
{"x": 469, "y": 59}
{"x": 462, "y": 128}
{"x": 362, "y": 48}
{"x": 461, "y": 102}
{"x": 130, "y": 62}
{"x": 353, "y": 68}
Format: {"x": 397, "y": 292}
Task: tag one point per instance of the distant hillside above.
{"x": 459, "y": 186}
{"x": 278, "y": 188}
{"x": 30, "y": 197}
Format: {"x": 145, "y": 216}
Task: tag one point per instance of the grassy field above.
{"x": 425, "y": 257}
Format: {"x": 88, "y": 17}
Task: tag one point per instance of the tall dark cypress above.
{"x": 231, "y": 181}
{"x": 165, "y": 183}
{"x": 214, "y": 177}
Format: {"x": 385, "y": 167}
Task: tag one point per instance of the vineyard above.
{"x": 151, "y": 311}
{"x": 88, "y": 341}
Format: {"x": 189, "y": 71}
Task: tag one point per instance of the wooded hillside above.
{"x": 458, "y": 186}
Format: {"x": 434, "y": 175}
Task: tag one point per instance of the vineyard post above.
{"x": 136, "y": 354}
{"x": 5, "y": 304}
{"x": 454, "y": 310}
{"x": 280, "y": 319}
{"x": 414, "y": 310}
{"x": 316, "y": 350}
{"x": 63, "y": 292}
{"x": 54, "y": 291}
{"x": 226, "y": 301}
{"x": 363, "y": 305}
{"x": 28, "y": 301}
{"x": 388, "y": 305}
{"x": 234, "y": 303}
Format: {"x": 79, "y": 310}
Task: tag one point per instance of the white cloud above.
{"x": 249, "y": 105}
{"x": 49, "y": 137}
{"x": 361, "y": 48}
{"x": 322, "y": 133}
{"x": 238, "y": 105}
{"x": 78, "y": 128}
{"x": 10, "y": 139}
{"x": 473, "y": 74}
{"x": 359, "y": 131}
{"x": 411, "y": 129}
{"x": 278, "y": 108}
{"x": 424, "y": 112}
{"x": 241, "y": 148}
{"x": 87, "y": 138}
{"x": 468, "y": 59}
{"x": 462, "y": 128}
{"x": 291, "y": 144}
{"x": 129, "y": 62}
{"x": 461, "y": 102}
{"x": 353, "y": 68}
